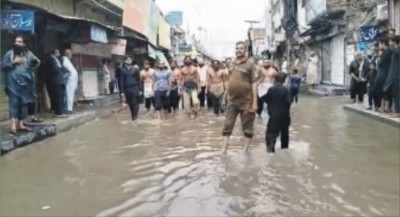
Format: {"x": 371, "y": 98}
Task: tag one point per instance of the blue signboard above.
{"x": 18, "y": 20}
{"x": 174, "y": 18}
{"x": 368, "y": 33}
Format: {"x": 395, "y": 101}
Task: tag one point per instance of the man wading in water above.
{"x": 216, "y": 86}
{"x": 148, "y": 83}
{"x": 190, "y": 84}
{"x": 266, "y": 80}
{"x": 174, "y": 96}
{"x": 242, "y": 97}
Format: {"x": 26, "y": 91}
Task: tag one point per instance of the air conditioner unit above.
{"x": 382, "y": 11}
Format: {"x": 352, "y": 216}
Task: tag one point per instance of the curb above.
{"x": 45, "y": 131}
{"x": 375, "y": 116}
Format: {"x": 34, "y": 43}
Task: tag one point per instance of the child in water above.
{"x": 278, "y": 100}
{"x": 295, "y": 81}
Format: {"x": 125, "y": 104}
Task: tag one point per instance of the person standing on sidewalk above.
{"x": 106, "y": 76}
{"x": 202, "y": 69}
{"x": 131, "y": 85}
{"x": 359, "y": 70}
{"x": 72, "y": 82}
{"x": 18, "y": 66}
{"x": 381, "y": 98}
{"x": 392, "y": 81}
{"x": 242, "y": 93}
{"x": 162, "y": 89}
{"x": 148, "y": 82}
{"x": 372, "y": 75}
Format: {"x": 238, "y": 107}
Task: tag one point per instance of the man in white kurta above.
{"x": 72, "y": 82}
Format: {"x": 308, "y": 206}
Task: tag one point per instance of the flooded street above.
{"x": 338, "y": 164}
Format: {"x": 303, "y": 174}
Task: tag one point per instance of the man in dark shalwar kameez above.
{"x": 18, "y": 66}
{"x": 279, "y": 101}
{"x": 393, "y": 79}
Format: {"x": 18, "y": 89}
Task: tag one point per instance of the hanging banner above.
{"x": 164, "y": 34}
{"x": 152, "y": 21}
{"x": 18, "y": 20}
{"x": 134, "y": 15}
{"x": 174, "y": 18}
{"x": 118, "y": 46}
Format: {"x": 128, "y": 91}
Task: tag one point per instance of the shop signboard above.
{"x": 368, "y": 33}
{"x": 118, "y": 46}
{"x": 151, "y": 20}
{"x": 174, "y": 18}
{"x": 20, "y": 20}
{"x": 98, "y": 34}
{"x": 164, "y": 34}
{"x": 134, "y": 15}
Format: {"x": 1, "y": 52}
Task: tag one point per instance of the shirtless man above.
{"x": 148, "y": 84}
{"x": 266, "y": 79}
{"x": 216, "y": 86}
{"x": 175, "y": 94}
{"x": 190, "y": 85}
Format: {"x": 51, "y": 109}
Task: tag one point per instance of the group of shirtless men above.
{"x": 191, "y": 79}
{"x": 236, "y": 88}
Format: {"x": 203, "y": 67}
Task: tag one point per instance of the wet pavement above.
{"x": 339, "y": 163}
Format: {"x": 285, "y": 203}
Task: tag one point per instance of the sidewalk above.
{"x": 361, "y": 110}
{"x": 98, "y": 107}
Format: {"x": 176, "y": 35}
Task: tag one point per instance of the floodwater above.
{"x": 338, "y": 164}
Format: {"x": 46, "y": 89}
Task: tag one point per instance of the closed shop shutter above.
{"x": 91, "y": 55}
{"x": 326, "y": 53}
{"x": 337, "y": 60}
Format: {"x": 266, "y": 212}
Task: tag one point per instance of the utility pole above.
{"x": 249, "y": 35}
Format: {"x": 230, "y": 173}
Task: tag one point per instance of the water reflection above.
{"x": 338, "y": 164}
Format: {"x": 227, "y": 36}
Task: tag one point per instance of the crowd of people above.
{"x": 378, "y": 75}
{"x": 56, "y": 72}
{"x": 234, "y": 88}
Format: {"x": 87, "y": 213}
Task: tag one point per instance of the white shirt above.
{"x": 203, "y": 75}
{"x": 70, "y": 67}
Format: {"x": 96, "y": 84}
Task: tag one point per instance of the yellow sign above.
{"x": 164, "y": 34}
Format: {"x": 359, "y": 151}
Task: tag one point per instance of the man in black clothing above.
{"x": 392, "y": 81}
{"x": 359, "y": 70}
{"x": 131, "y": 85}
{"x": 278, "y": 100}
{"x": 372, "y": 75}
{"x": 55, "y": 84}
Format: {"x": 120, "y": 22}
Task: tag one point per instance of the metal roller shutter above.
{"x": 326, "y": 53}
{"x": 337, "y": 60}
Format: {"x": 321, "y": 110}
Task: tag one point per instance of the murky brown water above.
{"x": 338, "y": 164}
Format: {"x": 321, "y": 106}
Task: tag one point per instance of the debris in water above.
{"x": 46, "y": 207}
